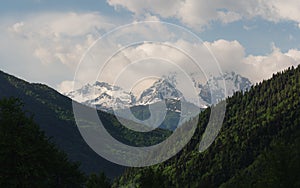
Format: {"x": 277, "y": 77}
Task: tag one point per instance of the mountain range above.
{"x": 107, "y": 97}
{"x": 113, "y": 99}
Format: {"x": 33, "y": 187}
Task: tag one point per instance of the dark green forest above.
{"x": 258, "y": 145}
{"x": 28, "y": 159}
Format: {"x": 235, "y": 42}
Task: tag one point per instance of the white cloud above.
{"x": 47, "y": 46}
{"x": 74, "y": 24}
{"x": 166, "y": 8}
{"x": 286, "y": 10}
{"x": 228, "y": 17}
{"x": 60, "y": 37}
{"x": 65, "y": 86}
{"x": 294, "y": 54}
{"x": 17, "y": 27}
{"x": 262, "y": 67}
{"x": 63, "y": 38}
{"x": 200, "y": 13}
{"x": 44, "y": 55}
{"x": 230, "y": 55}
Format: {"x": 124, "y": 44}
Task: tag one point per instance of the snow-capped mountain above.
{"x": 159, "y": 91}
{"x": 111, "y": 98}
{"x": 103, "y": 96}
{"x": 215, "y": 89}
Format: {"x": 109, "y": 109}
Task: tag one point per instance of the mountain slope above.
{"x": 27, "y": 158}
{"x": 213, "y": 90}
{"x": 103, "y": 96}
{"x": 174, "y": 115}
{"x": 250, "y": 149}
{"x": 160, "y": 90}
{"x": 53, "y": 112}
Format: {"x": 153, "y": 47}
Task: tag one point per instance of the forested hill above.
{"x": 53, "y": 113}
{"x": 258, "y": 145}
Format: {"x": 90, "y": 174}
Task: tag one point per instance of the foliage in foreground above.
{"x": 28, "y": 159}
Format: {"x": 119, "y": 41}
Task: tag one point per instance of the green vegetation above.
{"x": 98, "y": 181}
{"x": 258, "y": 145}
{"x": 130, "y": 137}
{"x": 27, "y": 159}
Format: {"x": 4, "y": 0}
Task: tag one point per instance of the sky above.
{"x": 59, "y": 42}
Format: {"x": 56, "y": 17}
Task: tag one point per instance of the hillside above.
{"x": 53, "y": 113}
{"x": 258, "y": 145}
{"x": 27, "y": 158}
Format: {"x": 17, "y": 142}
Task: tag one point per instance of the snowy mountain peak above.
{"x": 218, "y": 88}
{"x": 160, "y": 90}
{"x": 98, "y": 84}
{"x": 103, "y": 95}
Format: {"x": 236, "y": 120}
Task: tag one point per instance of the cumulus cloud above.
{"x": 64, "y": 37}
{"x": 200, "y": 13}
{"x": 17, "y": 27}
{"x": 44, "y": 55}
{"x": 166, "y": 8}
{"x": 228, "y": 53}
{"x": 158, "y": 59}
{"x": 258, "y": 68}
{"x": 232, "y": 57}
{"x": 65, "y": 86}
{"x": 60, "y": 37}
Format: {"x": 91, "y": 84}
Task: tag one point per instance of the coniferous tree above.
{"x": 98, "y": 181}
{"x": 27, "y": 157}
